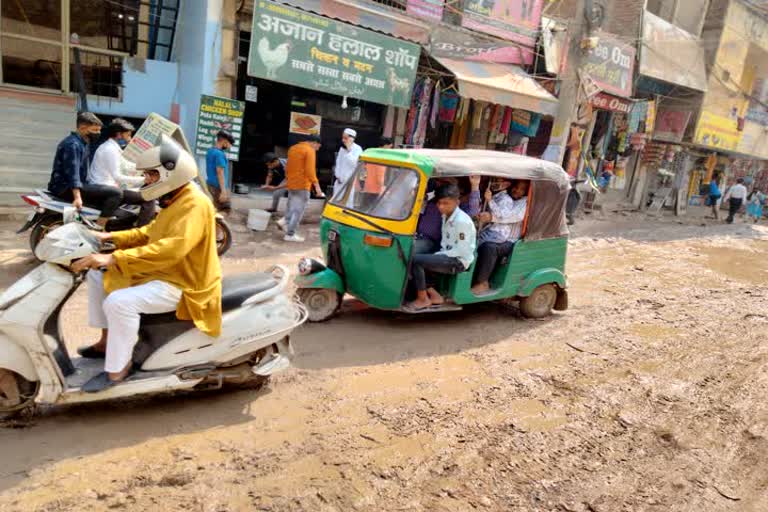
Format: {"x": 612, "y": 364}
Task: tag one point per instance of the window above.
{"x": 379, "y": 191}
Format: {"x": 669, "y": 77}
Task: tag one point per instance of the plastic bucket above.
{"x": 258, "y": 220}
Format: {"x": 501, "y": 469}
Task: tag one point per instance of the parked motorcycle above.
{"x": 36, "y": 367}
{"x": 573, "y": 201}
{"x": 50, "y": 212}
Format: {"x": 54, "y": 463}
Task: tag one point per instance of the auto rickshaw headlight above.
{"x": 309, "y": 266}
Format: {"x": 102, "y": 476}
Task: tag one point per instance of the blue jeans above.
{"x": 297, "y": 204}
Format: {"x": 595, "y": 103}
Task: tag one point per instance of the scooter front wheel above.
{"x": 17, "y": 394}
{"x": 321, "y": 303}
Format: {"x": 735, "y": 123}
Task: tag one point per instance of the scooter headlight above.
{"x": 309, "y": 266}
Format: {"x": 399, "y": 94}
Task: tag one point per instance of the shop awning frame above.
{"x": 504, "y": 84}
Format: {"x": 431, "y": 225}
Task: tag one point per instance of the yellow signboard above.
{"x": 717, "y": 132}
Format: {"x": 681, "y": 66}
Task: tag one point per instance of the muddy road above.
{"x": 649, "y": 394}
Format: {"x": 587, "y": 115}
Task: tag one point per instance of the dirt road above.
{"x": 647, "y": 395}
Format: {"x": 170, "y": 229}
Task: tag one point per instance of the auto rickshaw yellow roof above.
{"x": 467, "y": 162}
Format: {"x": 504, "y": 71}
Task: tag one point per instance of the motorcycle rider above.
{"x": 69, "y": 176}
{"x": 108, "y": 165}
{"x": 169, "y": 265}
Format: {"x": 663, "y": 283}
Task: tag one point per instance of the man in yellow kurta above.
{"x": 169, "y": 265}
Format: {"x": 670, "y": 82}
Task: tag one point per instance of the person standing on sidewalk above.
{"x": 735, "y": 196}
{"x": 217, "y": 171}
{"x": 714, "y": 196}
{"x": 346, "y": 159}
{"x": 300, "y": 178}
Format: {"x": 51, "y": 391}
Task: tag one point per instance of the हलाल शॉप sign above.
{"x": 298, "y": 48}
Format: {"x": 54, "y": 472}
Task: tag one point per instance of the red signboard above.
{"x": 607, "y": 102}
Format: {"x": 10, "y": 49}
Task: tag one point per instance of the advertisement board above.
{"x": 610, "y": 65}
{"x": 219, "y": 114}
{"x": 431, "y": 10}
{"x": 718, "y": 132}
{"x": 515, "y": 21}
{"x": 298, "y": 48}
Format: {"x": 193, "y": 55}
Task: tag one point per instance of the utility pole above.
{"x": 570, "y": 85}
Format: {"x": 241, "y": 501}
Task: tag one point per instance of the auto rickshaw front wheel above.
{"x": 540, "y": 302}
{"x": 321, "y": 303}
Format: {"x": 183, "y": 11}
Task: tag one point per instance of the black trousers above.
{"x": 147, "y": 209}
{"x": 734, "y": 205}
{"x": 434, "y": 264}
{"x": 102, "y": 197}
{"x": 488, "y": 254}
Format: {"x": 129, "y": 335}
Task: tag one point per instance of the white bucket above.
{"x": 258, "y": 220}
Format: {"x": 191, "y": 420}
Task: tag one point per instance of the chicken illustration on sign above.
{"x": 294, "y": 47}
{"x": 273, "y": 59}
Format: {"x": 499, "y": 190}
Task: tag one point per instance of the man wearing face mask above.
{"x": 108, "y": 167}
{"x": 346, "y": 160}
{"x": 69, "y": 177}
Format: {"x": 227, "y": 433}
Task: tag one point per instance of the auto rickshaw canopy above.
{"x": 549, "y": 182}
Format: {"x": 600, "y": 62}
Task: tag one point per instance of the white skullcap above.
{"x": 349, "y": 131}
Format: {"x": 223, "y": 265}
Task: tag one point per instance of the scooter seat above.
{"x": 236, "y": 289}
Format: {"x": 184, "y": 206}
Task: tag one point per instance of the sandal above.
{"x": 91, "y": 353}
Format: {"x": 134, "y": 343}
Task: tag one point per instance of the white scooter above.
{"x": 36, "y": 368}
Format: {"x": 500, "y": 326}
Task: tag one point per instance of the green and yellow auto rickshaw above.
{"x": 369, "y": 226}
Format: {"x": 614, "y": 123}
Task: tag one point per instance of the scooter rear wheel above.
{"x": 17, "y": 394}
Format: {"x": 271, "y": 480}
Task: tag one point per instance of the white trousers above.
{"x": 119, "y": 312}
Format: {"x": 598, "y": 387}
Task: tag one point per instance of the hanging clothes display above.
{"x": 418, "y": 115}
{"x": 435, "y": 106}
{"x": 449, "y": 105}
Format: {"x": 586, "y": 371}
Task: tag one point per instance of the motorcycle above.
{"x": 51, "y": 212}
{"x": 171, "y": 354}
{"x": 573, "y": 201}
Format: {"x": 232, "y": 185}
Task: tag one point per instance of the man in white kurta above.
{"x": 346, "y": 160}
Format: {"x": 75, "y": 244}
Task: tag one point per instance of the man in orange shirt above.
{"x": 300, "y": 178}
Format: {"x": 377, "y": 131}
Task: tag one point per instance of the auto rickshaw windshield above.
{"x": 380, "y": 191}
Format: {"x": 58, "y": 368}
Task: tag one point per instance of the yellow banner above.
{"x": 718, "y": 132}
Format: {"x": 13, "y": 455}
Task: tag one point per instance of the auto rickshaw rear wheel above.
{"x": 17, "y": 394}
{"x": 540, "y": 302}
{"x": 321, "y": 303}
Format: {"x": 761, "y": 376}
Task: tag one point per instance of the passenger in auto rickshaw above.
{"x": 503, "y": 227}
{"x": 428, "y": 231}
{"x": 457, "y": 249}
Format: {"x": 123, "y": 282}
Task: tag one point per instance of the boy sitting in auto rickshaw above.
{"x": 457, "y": 248}
{"x": 497, "y": 239}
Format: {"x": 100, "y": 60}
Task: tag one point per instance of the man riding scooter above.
{"x": 169, "y": 265}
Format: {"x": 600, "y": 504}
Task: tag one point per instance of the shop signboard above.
{"x": 671, "y": 54}
{"x": 219, "y": 114}
{"x": 456, "y": 45}
{"x": 298, "y": 48}
{"x": 671, "y": 124}
{"x": 611, "y": 64}
{"x": 148, "y": 135}
{"x": 305, "y": 124}
{"x": 431, "y": 10}
{"x": 515, "y": 21}
{"x": 718, "y": 132}
{"x": 613, "y": 103}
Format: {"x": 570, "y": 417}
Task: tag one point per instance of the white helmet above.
{"x": 176, "y": 168}
{"x": 66, "y": 244}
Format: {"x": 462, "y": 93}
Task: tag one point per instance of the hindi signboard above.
{"x": 298, "y": 48}
{"x": 515, "y": 21}
{"x": 610, "y": 64}
{"x": 431, "y": 10}
{"x": 219, "y": 114}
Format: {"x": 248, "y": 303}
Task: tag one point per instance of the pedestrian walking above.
{"x": 735, "y": 196}
{"x": 300, "y": 177}
{"x": 755, "y": 203}
{"x": 346, "y": 159}
{"x": 713, "y": 199}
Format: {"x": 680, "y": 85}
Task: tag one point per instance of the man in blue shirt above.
{"x": 69, "y": 177}
{"x": 217, "y": 170}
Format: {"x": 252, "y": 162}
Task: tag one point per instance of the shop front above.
{"x": 303, "y": 74}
